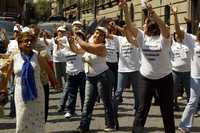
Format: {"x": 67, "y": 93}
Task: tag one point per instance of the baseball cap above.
{"x": 26, "y": 29}
{"x": 61, "y": 28}
{"x": 17, "y": 29}
{"x": 103, "y": 29}
{"x": 76, "y": 23}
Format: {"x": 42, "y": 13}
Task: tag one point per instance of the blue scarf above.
{"x": 29, "y": 91}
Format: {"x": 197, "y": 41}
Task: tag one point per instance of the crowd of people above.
{"x": 154, "y": 62}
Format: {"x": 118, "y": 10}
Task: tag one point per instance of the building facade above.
{"x": 11, "y": 8}
{"x": 54, "y": 7}
{"x": 96, "y": 9}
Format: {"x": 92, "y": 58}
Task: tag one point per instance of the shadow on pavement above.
{"x": 91, "y": 131}
{"x": 7, "y": 126}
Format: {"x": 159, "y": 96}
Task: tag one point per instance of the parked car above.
{"x": 8, "y": 26}
{"x": 52, "y": 26}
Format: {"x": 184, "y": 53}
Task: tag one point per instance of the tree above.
{"x": 42, "y": 10}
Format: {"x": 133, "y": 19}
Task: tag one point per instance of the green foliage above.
{"x": 42, "y": 9}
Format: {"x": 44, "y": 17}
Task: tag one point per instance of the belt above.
{"x": 73, "y": 73}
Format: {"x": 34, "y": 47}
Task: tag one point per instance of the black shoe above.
{"x": 116, "y": 124}
{"x": 82, "y": 130}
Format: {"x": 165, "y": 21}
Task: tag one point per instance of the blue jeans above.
{"x": 190, "y": 109}
{"x": 71, "y": 89}
{"x": 74, "y": 83}
{"x": 181, "y": 79}
{"x": 123, "y": 79}
{"x": 102, "y": 85}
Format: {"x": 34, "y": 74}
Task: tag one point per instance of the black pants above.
{"x": 114, "y": 68}
{"x": 146, "y": 89}
{"x": 46, "y": 95}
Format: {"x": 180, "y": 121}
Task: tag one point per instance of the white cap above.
{"x": 17, "y": 29}
{"x": 26, "y": 29}
{"x": 61, "y": 28}
{"x": 76, "y": 23}
{"x": 103, "y": 29}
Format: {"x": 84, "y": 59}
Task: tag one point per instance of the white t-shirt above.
{"x": 12, "y": 47}
{"x": 96, "y": 64}
{"x": 195, "y": 61}
{"x": 112, "y": 49}
{"x": 128, "y": 56}
{"x": 155, "y": 56}
{"x": 181, "y": 54}
{"x": 74, "y": 62}
{"x": 58, "y": 57}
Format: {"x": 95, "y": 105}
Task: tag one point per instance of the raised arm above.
{"x": 74, "y": 47}
{"x": 133, "y": 29}
{"x": 131, "y": 39}
{"x": 178, "y": 30}
{"x": 45, "y": 38}
{"x": 164, "y": 30}
{"x": 97, "y": 49}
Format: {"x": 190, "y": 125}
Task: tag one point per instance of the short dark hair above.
{"x": 152, "y": 27}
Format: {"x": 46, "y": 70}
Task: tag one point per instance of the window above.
{"x": 132, "y": 11}
{"x": 167, "y": 14}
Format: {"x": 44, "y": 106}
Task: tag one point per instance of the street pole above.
{"x": 79, "y": 10}
{"x": 61, "y": 11}
{"x": 95, "y": 9}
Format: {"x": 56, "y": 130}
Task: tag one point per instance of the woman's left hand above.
{"x": 57, "y": 87}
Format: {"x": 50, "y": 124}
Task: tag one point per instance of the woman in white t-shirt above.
{"x": 155, "y": 70}
{"x": 194, "y": 45}
{"x": 58, "y": 61}
{"x": 191, "y": 108}
{"x": 76, "y": 76}
{"x": 98, "y": 80}
{"x": 112, "y": 44}
{"x": 181, "y": 60}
